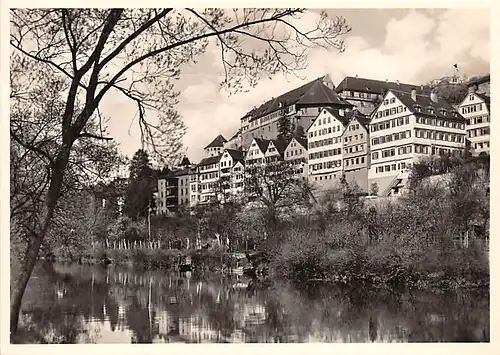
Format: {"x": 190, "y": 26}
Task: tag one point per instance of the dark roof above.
{"x": 262, "y": 144}
{"x": 479, "y": 80}
{"x": 185, "y": 161}
{"x": 335, "y": 113}
{"x": 425, "y": 102}
{"x": 210, "y": 160}
{"x": 237, "y": 155}
{"x": 217, "y": 142}
{"x": 182, "y": 172}
{"x": 375, "y": 86}
{"x": 302, "y": 141}
{"x": 280, "y": 145}
{"x": 312, "y": 93}
{"x": 363, "y": 119}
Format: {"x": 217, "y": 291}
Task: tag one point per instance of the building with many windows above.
{"x": 366, "y": 94}
{"x": 356, "y": 149}
{"x": 296, "y": 154}
{"x": 300, "y": 105}
{"x": 476, "y": 109}
{"x": 208, "y": 179}
{"x": 406, "y": 126}
{"x": 324, "y": 139}
{"x": 232, "y": 175}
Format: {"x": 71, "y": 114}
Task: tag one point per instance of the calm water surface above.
{"x": 69, "y": 303}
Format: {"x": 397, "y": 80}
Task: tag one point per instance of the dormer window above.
{"x": 418, "y": 108}
{"x": 431, "y": 110}
{"x": 444, "y": 112}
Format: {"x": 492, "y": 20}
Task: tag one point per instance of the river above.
{"x": 71, "y": 303}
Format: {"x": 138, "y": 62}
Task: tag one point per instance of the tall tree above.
{"x": 286, "y": 128}
{"x": 83, "y": 55}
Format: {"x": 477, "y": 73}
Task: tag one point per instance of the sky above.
{"x": 409, "y": 45}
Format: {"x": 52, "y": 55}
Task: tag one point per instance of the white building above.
{"x": 476, "y": 110}
{"x": 216, "y": 147}
{"x": 296, "y": 154}
{"x": 325, "y": 148}
{"x": 208, "y": 172}
{"x": 405, "y": 127}
{"x": 232, "y": 174}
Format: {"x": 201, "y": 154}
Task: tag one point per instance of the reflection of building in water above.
{"x": 197, "y": 329}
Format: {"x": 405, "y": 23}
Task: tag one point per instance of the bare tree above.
{"x": 81, "y": 55}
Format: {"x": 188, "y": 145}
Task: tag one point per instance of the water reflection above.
{"x": 69, "y": 303}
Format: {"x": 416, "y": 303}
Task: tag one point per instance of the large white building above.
{"x": 296, "y": 154}
{"x": 325, "y": 148}
{"x": 232, "y": 174}
{"x": 208, "y": 172}
{"x": 476, "y": 110}
{"x": 406, "y": 126}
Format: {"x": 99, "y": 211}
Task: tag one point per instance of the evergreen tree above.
{"x": 141, "y": 185}
{"x": 286, "y": 128}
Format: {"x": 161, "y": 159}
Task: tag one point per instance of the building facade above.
{"x": 296, "y": 155}
{"x": 324, "y": 138}
{"x": 356, "y": 150}
{"x": 232, "y": 175}
{"x": 167, "y": 200}
{"x": 405, "y": 127}
{"x": 300, "y": 106}
{"x": 366, "y": 94}
{"x": 208, "y": 172}
{"x": 476, "y": 110}
{"x": 215, "y": 147}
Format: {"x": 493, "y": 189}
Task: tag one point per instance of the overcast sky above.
{"x": 409, "y": 45}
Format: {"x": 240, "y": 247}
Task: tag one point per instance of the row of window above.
{"x": 208, "y": 167}
{"x": 391, "y": 152}
{"x": 395, "y": 122}
{"x": 390, "y": 167}
{"x": 207, "y": 176}
{"x": 440, "y": 136}
{"x": 472, "y": 108}
{"x": 353, "y": 127}
{"x": 477, "y": 120}
{"x": 391, "y": 137}
{"x": 349, "y": 139}
{"x": 322, "y": 132}
{"x": 354, "y": 161}
{"x": 481, "y": 145}
{"x": 209, "y": 186}
{"x": 390, "y": 111}
{"x": 478, "y": 132}
{"x": 325, "y": 153}
{"x": 291, "y": 153}
{"x": 440, "y": 123}
{"x": 355, "y": 149}
{"x": 430, "y": 150}
{"x": 326, "y": 177}
{"x": 327, "y": 165}
{"x": 323, "y": 142}
{"x": 362, "y": 95}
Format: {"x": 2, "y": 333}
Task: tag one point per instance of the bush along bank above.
{"x": 342, "y": 254}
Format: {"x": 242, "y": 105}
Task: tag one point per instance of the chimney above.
{"x": 356, "y": 76}
{"x": 434, "y": 97}
{"x": 414, "y": 94}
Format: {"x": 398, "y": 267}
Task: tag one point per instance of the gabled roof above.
{"x": 363, "y": 119}
{"x": 185, "y": 161}
{"x": 344, "y": 119}
{"x": 237, "y": 155}
{"x": 425, "y": 102}
{"x": 217, "y": 142}
{"x": 486, "y": 100}
{"x": 262, "y": 144}
{"x": 376, "y": 86}
{"x": 301, "y": 141}
{"x": 210, "y": 160}
{"x": 280, "y": 145}
{"x": 314, "y": 92}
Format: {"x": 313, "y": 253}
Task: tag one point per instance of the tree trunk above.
{"x": 31, "y": 255}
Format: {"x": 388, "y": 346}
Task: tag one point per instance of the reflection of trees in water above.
{"x": 151, "y": 305}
